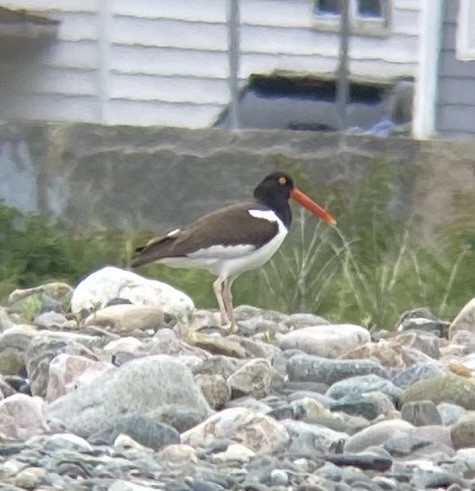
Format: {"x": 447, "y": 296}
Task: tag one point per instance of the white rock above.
{"x": 236, "y": 453}
{"x": 465, "y": 320}
{"x": 68, "y": 372}
{"x": 328, "y": 341}
{"x": 127, "y": 344}
{"x": 258, "y": 432}
{"x": 100, "y": 287}
{"x": 26, "y": 413}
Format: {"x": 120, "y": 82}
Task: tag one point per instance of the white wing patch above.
{"x": 222, "y": 252}
{"x": 173, "y": 232}
{"x": 268, "y": 215}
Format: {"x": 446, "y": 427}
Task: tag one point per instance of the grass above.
{"x": 368, "y": 270}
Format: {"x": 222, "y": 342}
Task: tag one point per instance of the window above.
{"x": 372, "y": 9}
{"x": 466, "y": 30}
{"x": 327, "y": 7}
{"x": 366, "y": 16}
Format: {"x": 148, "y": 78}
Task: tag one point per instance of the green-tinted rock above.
{"x": 463, "y": 432}
{"x": 449, "y": 388}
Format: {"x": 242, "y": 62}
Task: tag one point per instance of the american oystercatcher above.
{"x": 234, "y": 239}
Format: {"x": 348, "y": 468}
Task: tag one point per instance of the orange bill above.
{"x": 311, "y": 206}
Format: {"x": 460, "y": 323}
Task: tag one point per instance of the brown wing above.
{"x": 228, "y": 226}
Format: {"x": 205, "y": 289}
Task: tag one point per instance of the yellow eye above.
{"x": 282, "y": 180}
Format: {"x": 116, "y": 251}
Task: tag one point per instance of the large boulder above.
{"x": 109, "y": 283}
{"x": 140, "y": 386}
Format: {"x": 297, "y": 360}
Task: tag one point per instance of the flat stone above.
{"x": 389, "y": 353}
{"x": 328, "y": 341}
{"x": 253, "y": 430}
{"x": 421, "y": 413}
{"x": 101, "y": 286}
{"x": 450, "y": 388}
{"x": 361, "y": 384}
{"x": 377, "y": 434}
{"x": 216, "y": 345}
{"x": 417, "y": 372}
{"x": 139, "y": 386}
{"x": 309, "y": 368}
{"x": 362, "y": 460}
{"x": 308, "y": 439}
{"x": 128, "y": 317}
{"x": 50, "y": 320}
{"x": 56, "y": 290}
{"x": 369, "y": 405}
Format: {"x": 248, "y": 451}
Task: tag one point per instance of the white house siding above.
{"x": 165, "y": 62}
{"x": 455, "y": 114}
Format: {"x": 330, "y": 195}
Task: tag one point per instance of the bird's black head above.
{"x": 274, "y": 192}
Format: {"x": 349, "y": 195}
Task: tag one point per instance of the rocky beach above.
{"x": 120, "y": 384}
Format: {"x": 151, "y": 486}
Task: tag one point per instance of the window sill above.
{"x": 376, "y": 28}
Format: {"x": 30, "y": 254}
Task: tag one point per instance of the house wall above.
{"x": 164, "y": 62}
{"x": 455, "y": 109}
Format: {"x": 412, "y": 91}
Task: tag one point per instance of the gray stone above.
{"x": 258, "y": 432}
{"x": 450, "y": 388}
{"x": 218, "y": 364}
{"x": 142, "y": 429}
{"x": 5, "y": 321}
{"x": 215, "y": 389}
{"x": 427, "y": 343}
{"x": 377, "y": 434}
{"x": 13, "y": 345}
{"x": 421, "y": 413}
{"x": 363, "y": 460}
{"x": 328, "y": 341}
{"x": 416, "y": 372}
{"x": 139, "y": 386}
{"x": 361, "y": 384}
{"x": 50, "y": 320}
{"x": 463, "y": 432}
{"x": 125, "y": 318}
{"x": 307, "y": 439}
{"x": 42, "y": 350}
{"x": 309, "y": 368}
{"x": 450, "y": 413}
{"x": 368, "y": 404}
{"x": 21, "y": 416}
{"x": 254, "y": 379}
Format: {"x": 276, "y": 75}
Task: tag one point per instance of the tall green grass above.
{"x": 368, "y": 270}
